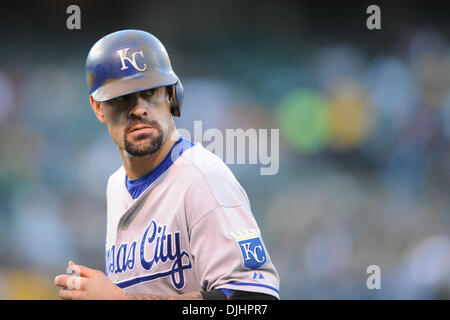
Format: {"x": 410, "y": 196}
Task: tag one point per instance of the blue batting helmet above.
{"x": 129, "y": 61}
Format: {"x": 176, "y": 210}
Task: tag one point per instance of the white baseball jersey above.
{"x": 191, "y": 229}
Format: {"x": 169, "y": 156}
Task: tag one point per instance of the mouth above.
{"x": 141, "y": 129}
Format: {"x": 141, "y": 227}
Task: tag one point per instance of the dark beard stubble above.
{"x": 145, "y": 144}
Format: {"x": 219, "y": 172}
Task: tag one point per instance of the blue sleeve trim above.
{"x": 255, "y": 285}
{"x": 227, "y": 292}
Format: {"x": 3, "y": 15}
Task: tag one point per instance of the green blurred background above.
{"x": 364, "y": 119}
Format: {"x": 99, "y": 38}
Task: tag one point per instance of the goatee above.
{"x": 143, "y": 144}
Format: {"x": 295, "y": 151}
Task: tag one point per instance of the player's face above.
{"x": 139, "y": 123}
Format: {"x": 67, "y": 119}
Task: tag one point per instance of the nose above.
{"x": 139, "y": 107}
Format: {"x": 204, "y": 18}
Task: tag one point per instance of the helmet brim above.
{"x": 119, "y": 87}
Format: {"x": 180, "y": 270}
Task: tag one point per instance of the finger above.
{"x": 70, "y": 294}
{"x": 61, "y": 280}
{"x": 70, "y": 282}
{"x": 83, "y": 270}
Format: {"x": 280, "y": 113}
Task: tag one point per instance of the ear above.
{"x": 170, "y": 98}
{"x": 96, "y": 106}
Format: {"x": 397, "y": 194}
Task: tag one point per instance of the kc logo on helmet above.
{"x": 252, "y": 249}
{"x": 123, "y": 57}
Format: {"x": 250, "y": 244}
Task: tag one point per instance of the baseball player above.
{"x": 179, "y": 224}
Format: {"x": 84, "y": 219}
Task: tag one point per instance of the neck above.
{"x": 136, "y": 167}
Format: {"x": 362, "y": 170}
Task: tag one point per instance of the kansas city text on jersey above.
{"x": 157, "y": 249}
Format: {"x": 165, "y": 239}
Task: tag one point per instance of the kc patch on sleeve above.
{"x": 252, "y": 249}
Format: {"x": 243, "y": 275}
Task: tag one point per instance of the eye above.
{"x": 121, "y": 99}
{"x": 147, "y": 93}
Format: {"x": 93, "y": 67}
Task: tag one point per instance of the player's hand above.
{"x": 87, "y": 284}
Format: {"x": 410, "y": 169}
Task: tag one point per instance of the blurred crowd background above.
{"x": 364, "y": 120}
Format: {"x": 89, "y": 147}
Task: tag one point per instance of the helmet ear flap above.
{"x": 177, "y": 98}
